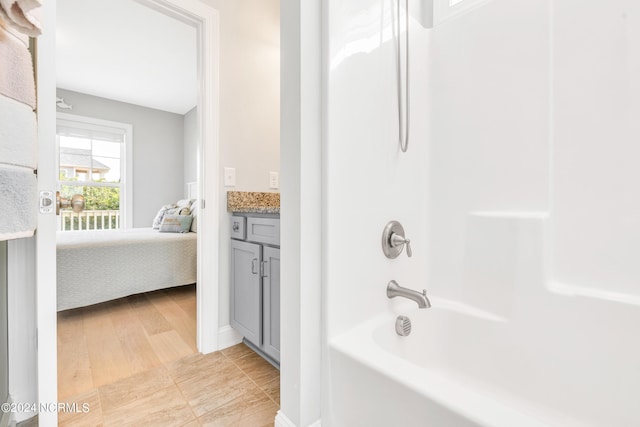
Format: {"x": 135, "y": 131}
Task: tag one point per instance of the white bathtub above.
{"x": 464, "y": 367}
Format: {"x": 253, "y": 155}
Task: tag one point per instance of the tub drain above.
{"x": 403, "y": 326}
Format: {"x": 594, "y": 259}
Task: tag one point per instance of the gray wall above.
{"x": 158, "y": 168}
{"x": 191, "y": 138}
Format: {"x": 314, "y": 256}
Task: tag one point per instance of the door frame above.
{"x": 206, "y": 21}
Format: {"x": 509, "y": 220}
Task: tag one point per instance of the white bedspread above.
{"x": 99, "y": 266}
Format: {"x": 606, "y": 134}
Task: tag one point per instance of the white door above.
{"x": 46, "y": 234}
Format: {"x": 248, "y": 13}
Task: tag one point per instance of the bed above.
{"x": 99, "y": 266}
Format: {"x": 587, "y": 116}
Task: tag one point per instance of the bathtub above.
{"x": 464, "y": 367}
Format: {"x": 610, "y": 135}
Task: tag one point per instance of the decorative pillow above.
{"x": 176, "y": 224}
{"x": 194, "y": 213}
{"x": 184, "y": 203}
{"x": 161, "y": 213}
{"x": 180, "y": 211}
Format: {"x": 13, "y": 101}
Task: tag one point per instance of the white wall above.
{"x": 301, "y": 213}
{"x": 249, "y": 90}
{"x": 249, "y": 107}
{"x": 158, "y": 176}
{"x": 596, "y": 106}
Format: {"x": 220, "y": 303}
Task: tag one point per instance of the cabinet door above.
{"x": 246, "y": 290}
{"x": 271, "y": 302}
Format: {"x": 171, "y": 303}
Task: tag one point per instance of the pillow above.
{"x": 161, "y": 213}
{"x": 184, "y": 203}
{"x": 176, "y": 224}
{"x": 194, "y": 213}
{"x": 179, "y": 211}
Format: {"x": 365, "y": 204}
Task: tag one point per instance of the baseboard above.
{"x": 259, "y": 351}
{"x": 29, "y": 422}
{"x": 283, "y": 421}
{"x": 227, "y": 336}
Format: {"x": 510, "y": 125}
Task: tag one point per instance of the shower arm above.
{"x": 403, "y": 137}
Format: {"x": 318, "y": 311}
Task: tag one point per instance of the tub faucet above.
{"x": 395, "y": 290}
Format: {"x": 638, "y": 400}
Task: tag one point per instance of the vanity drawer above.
{"x": 238, "y": 227}
{"x": 264, "y": 230}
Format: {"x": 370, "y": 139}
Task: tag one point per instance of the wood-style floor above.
{"x": 134, "y": 362}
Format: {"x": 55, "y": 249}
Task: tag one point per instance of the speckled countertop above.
{"x": 253, "y": 202}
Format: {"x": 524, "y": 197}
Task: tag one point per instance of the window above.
{"x": 94, "y": 158}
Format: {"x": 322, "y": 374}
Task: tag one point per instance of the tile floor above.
{"x": 134, "y": 362}
{"x": 232, "y": 387}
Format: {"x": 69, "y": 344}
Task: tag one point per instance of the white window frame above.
{"x": 126, "y": 160}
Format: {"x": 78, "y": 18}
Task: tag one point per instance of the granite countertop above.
{"x": 253, "y": 202}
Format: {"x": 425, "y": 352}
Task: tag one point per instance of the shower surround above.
{"x": 518, "y": 193}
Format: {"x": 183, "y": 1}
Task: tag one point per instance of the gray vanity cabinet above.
{"x": 255, "y": 282}
{"x": 246, "y": 295}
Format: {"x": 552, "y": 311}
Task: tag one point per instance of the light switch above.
{"x": 274, "y": 180}
{"x": 229, "y": 177}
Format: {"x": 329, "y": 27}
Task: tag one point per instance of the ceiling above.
{"x": 122, "y": 50}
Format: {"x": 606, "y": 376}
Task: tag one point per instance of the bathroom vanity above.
{"x": 255, "y": 280}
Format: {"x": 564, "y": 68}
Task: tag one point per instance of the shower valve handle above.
{"x": 397, "y": 240}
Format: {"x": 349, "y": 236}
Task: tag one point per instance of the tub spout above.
{"x": 395, "y": 290}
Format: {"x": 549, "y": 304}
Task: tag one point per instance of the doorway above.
{"x": 105, "y": 91}
{"x": 107, "y": 335}
{"x": 205, "y": 20}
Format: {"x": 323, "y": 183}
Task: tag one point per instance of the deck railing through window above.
{"x": 90, "y": 220}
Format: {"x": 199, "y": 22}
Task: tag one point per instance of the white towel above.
{"x": 18, "y": 128}
{"x": 18, "y": 202}
{"x": 23, "y": 15}
{"x": 18, "y": 134}
{"x": 16, "y": 73}
{"x": 22, "y": 37}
